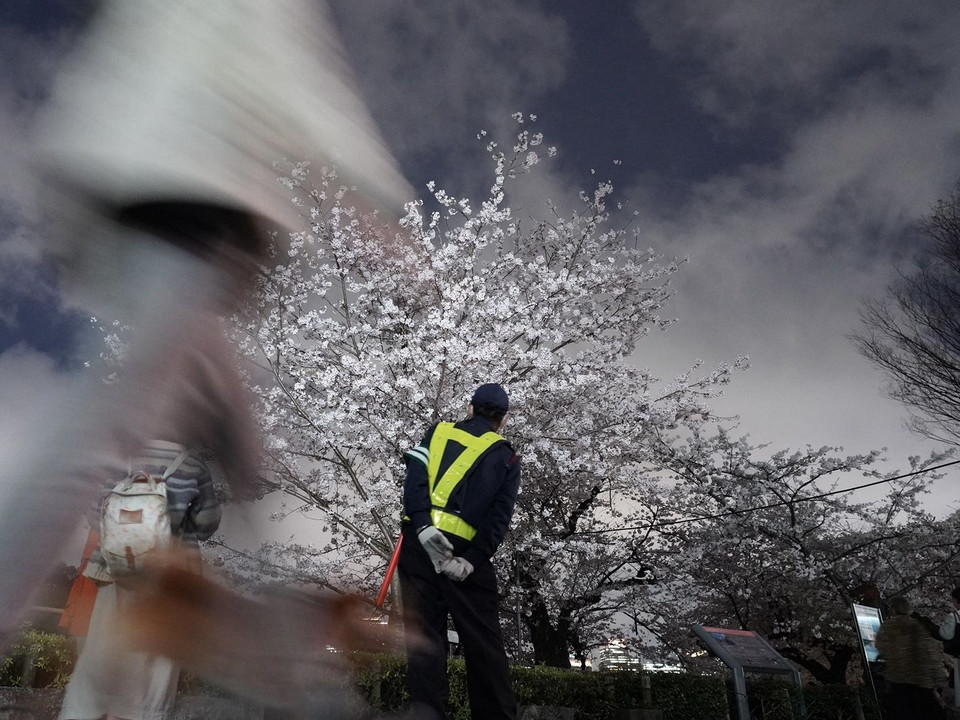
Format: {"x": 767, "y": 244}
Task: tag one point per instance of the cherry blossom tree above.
{"x": 361, "y": 334}
{"x": 770, "y": 543}
{"x": 633, "y": 507}
{"x": 362, "y": 337}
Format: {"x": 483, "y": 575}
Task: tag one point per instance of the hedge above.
{"x": 777, "y": 699}
{"x": 601, "y": 695}
{"x": 593, "y": 695}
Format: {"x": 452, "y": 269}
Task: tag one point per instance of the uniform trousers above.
{"x": 428, "y": 598}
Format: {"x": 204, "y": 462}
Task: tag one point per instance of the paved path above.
{"x": 45, "y": 705}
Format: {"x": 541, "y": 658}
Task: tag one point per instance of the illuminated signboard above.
{"x": 868, "y": 623}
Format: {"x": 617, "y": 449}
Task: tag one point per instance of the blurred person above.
{"x": 913, "y": 669}
{"x": 109, "y": 679}
{"x": 75, "y": 618}
{"x": 157, "y": 152}
{"x": 458, "y": 499}
{"x": 949, "y": 632}
{"x": 282, "y": 649}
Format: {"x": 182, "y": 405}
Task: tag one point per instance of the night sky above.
{"x": 787, "y": 148}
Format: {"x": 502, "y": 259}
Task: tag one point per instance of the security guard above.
{"x": 461, "y": 488}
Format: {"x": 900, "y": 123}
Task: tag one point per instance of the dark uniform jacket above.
{"x": 485, "y": 498}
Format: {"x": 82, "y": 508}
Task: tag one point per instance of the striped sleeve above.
{"x": 420, "y": 453}
{"x": 192, "y": 501}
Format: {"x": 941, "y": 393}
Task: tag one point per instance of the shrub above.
{"x": 682, "y": 696}
{"x": 830, "y": 702}
{"x": 593, "y": 695}
{"x": 51, "y": 656}
{"x": 773, "y": 699}
{"x": 381, "y": 679}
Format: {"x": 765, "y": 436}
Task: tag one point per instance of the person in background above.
{"x": 950, "y": 634}
{"x": 460, "y": 491}
{"x": 913, "y": 665}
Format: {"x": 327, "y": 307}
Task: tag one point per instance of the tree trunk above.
{"x": 550, "y": 642}
{"x": 834, "y": 672}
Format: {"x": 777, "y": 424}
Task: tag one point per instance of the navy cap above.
{"x": 491, "y": 394}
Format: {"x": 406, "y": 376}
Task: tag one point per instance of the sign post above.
{"x": 744, "y": 651}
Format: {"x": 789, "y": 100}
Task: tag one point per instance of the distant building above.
{"x": 618, "y": 656}
{"x": 648, "y": 666}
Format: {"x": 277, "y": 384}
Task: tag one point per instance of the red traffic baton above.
{"x": 391, "y": 568}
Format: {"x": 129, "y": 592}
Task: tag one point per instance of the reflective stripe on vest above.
{"x": 453, "y": 524}
{"x": 441, "y": 488}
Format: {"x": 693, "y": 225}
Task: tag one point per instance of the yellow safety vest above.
{"x": 442, "y": 487}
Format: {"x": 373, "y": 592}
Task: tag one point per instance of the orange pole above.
{"x": 391, "y": 567}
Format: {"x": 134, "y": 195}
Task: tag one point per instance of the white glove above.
{"x": 457, "y": 568}
{"x": 437, "y": 546}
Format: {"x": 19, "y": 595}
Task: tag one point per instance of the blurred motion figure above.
{"x": 156, "y": 151}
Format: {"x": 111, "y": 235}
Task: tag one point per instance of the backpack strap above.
{"x": 177, "y": 462}
{"x": 171, "y": 469}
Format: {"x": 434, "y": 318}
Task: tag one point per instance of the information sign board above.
{"x": 748, "y": 649}
{"x": 744, "y": 651}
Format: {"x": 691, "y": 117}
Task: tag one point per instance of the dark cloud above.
{"x": 32, "y": 313}
{"x": 44, "y": 16}
{"x": 801, "y": 57}
{"x": 437, "y": 72}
